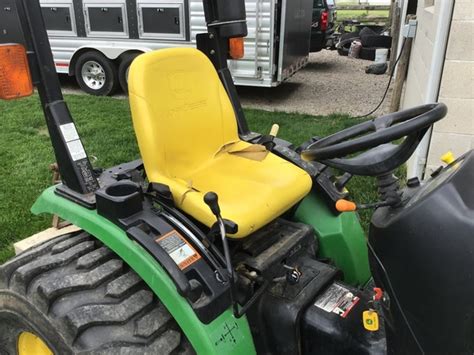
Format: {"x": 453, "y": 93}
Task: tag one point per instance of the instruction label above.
{"x": 69, "y": 132}
{"x": 179, "y": 249}
{"x": 337, "y": 299}
{"x": 74, "y": 145}
{"x": 76, "y": 149}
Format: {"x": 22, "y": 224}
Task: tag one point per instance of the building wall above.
{"x": 456, "y": 131}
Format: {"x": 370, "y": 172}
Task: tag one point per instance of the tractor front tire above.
{"x": 73, "y": 295}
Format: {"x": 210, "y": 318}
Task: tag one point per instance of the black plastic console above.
{"x": 422, "y": 256}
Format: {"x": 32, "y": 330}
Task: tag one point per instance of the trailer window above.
{"x": 106, "y": 19}
{"x": 59, "y": 18}
{"x": 161, "y": 20}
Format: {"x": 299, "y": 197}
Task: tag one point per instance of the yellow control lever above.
{"x": 274, "y": 130}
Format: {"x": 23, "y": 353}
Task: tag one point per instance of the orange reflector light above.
{"x": 15, "y": 78}
{"x": 236, "y": 47}
{"x": 345, "y": 206}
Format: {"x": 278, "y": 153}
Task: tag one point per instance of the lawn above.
{"x": 378, "y": 16}
{"x": 360, "y": 14}
{"x": 106, "y": 129}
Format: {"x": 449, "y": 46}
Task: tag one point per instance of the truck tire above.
{"x": 368, "y": 53}
{"x": 376, "y": 41}
{"x": 96, "y": 74}
{"x": 73, "y": 295}
{"x": 123, "y": 70}
{"x": 344, "y": 46}
{"x": 345, "y": 42}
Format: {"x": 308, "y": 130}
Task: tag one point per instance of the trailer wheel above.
{"x": 73, "y": 295}
{"x": 123, "y": 70}
{"x": 96, "y": 74}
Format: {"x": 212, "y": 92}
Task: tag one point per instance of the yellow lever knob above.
{"x": 370, "y": 319}
{"x": 448, "y": 157}
{"x": 274, "y": 130}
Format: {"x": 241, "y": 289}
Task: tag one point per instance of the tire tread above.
{"x": 113, "y": 312}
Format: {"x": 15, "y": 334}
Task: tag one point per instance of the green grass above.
{"x": 105, "y": 126}
{"x": 362, "y": 14}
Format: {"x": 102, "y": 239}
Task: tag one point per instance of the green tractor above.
{"x": 226, "y": 241}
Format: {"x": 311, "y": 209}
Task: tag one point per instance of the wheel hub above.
{"x": 93, "y": 75}
{"x": 29, "y": 343}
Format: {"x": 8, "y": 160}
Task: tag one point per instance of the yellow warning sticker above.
{"x": 178, "y": 248}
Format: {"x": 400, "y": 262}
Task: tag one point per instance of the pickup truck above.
{"x": 323, "y": 25}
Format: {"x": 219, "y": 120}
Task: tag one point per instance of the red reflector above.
{"x": 378, "y": 293}
{"x": 236, "y": 48}
{"x": 324, "y": 21}
{"x": 15, "y": 78}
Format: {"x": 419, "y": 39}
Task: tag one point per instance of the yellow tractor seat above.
{"x": 187, "y": 135}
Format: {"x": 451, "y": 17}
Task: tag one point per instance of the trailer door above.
{"x": 59, "y": 17}
{"x": 10, "y": 30}
{"x": 295, "y": 35}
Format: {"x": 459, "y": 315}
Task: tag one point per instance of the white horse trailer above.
{"x": 96, "y": 40}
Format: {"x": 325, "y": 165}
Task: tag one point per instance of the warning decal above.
{"x": 74, "y": 145}
{"x": 179, "y": 249}
{"x": 69, "y": 132}
{"x": 76, "y": 149}
{"x": 337, "y": 299}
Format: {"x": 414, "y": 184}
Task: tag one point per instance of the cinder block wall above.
{"x": 456, "y": 131}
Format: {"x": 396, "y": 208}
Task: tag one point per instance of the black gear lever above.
{"x": 211, "y": 199}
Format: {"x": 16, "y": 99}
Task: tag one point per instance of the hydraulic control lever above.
{"x": 211, "y": 199}
{"x": 268, "y": 139}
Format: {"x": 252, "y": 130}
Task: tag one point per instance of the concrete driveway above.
{"x": 330, "y": 83}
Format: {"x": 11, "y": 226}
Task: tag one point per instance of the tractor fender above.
{"x": 224, "y": 335}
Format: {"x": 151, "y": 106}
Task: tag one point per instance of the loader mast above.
{"x": 74, "y": 164}
{"x": 225, "y": 20}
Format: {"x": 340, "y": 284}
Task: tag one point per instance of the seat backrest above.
{"x": 181, "y": 112}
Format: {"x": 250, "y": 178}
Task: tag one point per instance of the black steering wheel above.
{"x": 373, "y": 138}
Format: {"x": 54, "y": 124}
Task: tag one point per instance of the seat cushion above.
{"x": 187, "y": 134}
{"x": 251, "y": 192}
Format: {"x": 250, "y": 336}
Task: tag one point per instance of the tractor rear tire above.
{"x": 77, "y": 296}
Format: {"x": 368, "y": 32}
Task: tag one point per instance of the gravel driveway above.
{"x": 329, "y": 83}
